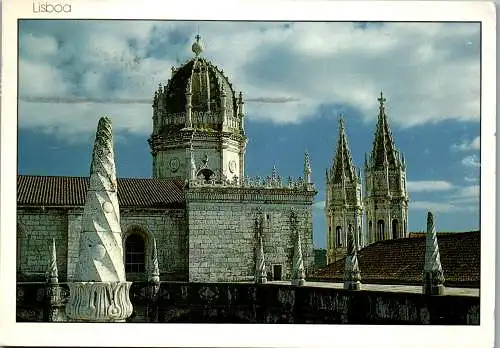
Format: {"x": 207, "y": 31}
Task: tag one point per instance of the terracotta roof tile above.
{"x": 401, "y": 261}
{"x": 71, "y": 191}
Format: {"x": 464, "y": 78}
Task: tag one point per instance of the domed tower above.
{"x": 198, "y": 114}
{"x": 386, "y": 195}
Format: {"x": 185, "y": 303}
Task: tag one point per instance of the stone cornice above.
{"x": 249, "y": 194}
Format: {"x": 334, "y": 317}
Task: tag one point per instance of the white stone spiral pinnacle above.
{"x": 52, "y": 272}
{"x": 101, "y": 250}
{"x": 298, "y": 271}
{"x": 260, "y": 266}
{"x": 155, "y": 270}
{"x": 352, "y": 275}
{"x": 433, "y": 277}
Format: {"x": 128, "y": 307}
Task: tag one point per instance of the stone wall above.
{"x": 35, "y": 230}
{"x": 269, "y": 303}
{"x": 37, "y": 227}
{"x": 222, "y": 234}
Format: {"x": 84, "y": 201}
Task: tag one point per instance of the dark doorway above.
{"x": 277, "y": 272}
{"x": 381, "y": 229}
{"x": 395, "y": 228}
{"x": 370, "y": 231}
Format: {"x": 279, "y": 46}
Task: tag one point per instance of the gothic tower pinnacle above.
{"x": 386, "y": 196}
{"x": 343, "y": 203}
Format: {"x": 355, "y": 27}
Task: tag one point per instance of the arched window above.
{"x": 135, "y": 254}
{"x": 381, "y": 229}
{"x": 338, "y": 235}
{"x": 395, "y": 226}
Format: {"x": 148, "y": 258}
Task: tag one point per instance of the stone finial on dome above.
{"x": 197, "y": 47}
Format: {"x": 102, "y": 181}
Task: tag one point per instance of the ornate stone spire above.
{"x": 298, "y": 271}
{"x": 384, "y": 150}
{"x": 52, "y": 272}
{"x": 154, "y": 275}
{"x": 100, "y": 292}
{"x": 260, "y": 266}
{"x": 101, "y": 253}
{"x": 343, "y": 169}
{"x": 307, "y": 168}
{"x": 433, "y": 272}
{"x": 197, "y": 46}
{"x": 352, "y": 277}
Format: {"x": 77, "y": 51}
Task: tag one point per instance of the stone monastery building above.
{"x": 202, "y": 210}
{"x": 385, "y": 205}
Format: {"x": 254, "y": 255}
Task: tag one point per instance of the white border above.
{"x": 248, "y": 335}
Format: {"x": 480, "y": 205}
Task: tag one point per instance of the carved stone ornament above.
{"x": 174, "y": 164}
{"x": 100, "y": 292}
{"x": 232, "y": 166}
{"x": 99, "y": 301}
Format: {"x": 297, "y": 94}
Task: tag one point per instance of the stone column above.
{"x": 298, "y": 271}
{"x": 100, "y": 292}
{"x": 352, "y": 277}
{"x": 433, "y": 278}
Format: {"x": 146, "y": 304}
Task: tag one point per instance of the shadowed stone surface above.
{"x": 278, "y": 302}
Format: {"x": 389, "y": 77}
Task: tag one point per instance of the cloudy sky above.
{"x": 297, "y": 78}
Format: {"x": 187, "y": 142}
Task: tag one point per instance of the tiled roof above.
{"x": 71, "y": 191}
{"x": 401, "y": 261}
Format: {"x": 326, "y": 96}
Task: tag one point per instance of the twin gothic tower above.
{"x": 383, "y": 214}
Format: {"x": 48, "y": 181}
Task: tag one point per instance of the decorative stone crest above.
{"x": 100, "y": 292}
{"x": 352, "y": 276}
{"x": 433, "y": 277}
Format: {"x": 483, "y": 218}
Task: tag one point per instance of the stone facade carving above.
{"x": 352, "y": 276}
{"x": 100, "y": 292}
{"x": 99, "y": 301}
{"x": 433, "y": 277}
